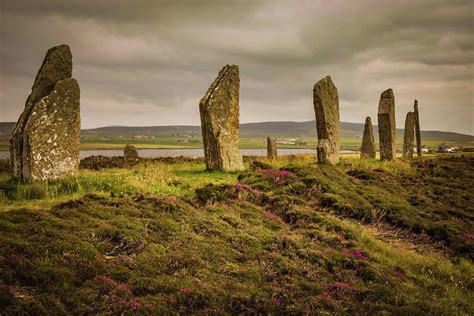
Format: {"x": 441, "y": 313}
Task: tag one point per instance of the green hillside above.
{"x": 285, "y": 236}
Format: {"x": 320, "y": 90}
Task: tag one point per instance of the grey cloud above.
{"x": 151, "y": 61}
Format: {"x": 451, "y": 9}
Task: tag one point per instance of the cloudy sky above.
{"x": 149, "y": 62}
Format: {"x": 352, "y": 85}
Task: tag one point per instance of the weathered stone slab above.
{"x": 271, "y": 148}
{"x": 219, "y": 109}
{"x": 409, "y": 135}
{"x": 130, "y": 152}
{"x": 326, "y": 108}
{"x": 387, "y": 125}
{"x": 54, "y": 102}
{"x": 52, "y": 134}
{"x": 367, "y": 149}
{"x": 417, "y": 130}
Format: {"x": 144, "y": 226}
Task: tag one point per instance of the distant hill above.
{"x": 261, "y": 129}
{"x": 6, "y": 128}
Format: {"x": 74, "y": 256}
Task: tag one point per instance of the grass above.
{"x": 285, "y": 236}
{"x": 249, "y": 142}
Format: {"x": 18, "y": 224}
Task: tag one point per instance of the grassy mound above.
{"x": 284, "y": 236}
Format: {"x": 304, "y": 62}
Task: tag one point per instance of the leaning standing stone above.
{"x": 387, "y": 127}
{"x": 367, "y": 149}
{"x": 45, "y": 140}
{"x": 326, "y": 108}
{"x": 417, "y": 130}
{"x": 219, "y": 109}
{"x": 53, "y": 134}
{"x": 409, "y": 135}
{"x": 130, "y": 152}
{"x": 271, "y": 148}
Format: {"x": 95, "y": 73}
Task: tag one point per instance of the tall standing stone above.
{"x": 408, "y": 136}
{"x": 45, "y": 140}
{"x": 367, "y": 149}
{"x": 271, "y": 148}
{"x": 326, "y": 108}
{"x": 219, "y": 109}
{"x": 387, "y": 127}
{"x": 417, "y": 130}
{"x": 130, "y": 152}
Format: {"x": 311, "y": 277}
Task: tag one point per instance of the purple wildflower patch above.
{"x": 278, "y": 300}
{"x": 104, "y": 279}
{"x": 277, "y": 176}
{"x": 342, "y": 284}
{"x": 356, "y": 253}
{"x": 185, "y": 290}
{"x": 468, "y": 236}
{"x": 245, "y": 187}
{"x": 17, "y": 258}
{"x": 399, "y": 273}
{"x": 242, "y": 186}
{"x": 272, "y": 216}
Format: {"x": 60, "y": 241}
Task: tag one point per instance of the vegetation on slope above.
{"x": 156, "y": 237}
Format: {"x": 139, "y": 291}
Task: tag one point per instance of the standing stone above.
{"x": 219, "y": 109}
{"x": 368, "y": 143}
{"x": 387, "y": 127}
{"x": 417, "y": 130}
{"x": 271, "y": 148}
{"x": 326, "y": 108}
{"x": 130, "y": 152}
{"x": 45, "y": 140}
{"x": 409, "y": 135}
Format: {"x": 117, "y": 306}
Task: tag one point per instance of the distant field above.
{"x": 252, "y": 136}
{"x": 170, "y": 142}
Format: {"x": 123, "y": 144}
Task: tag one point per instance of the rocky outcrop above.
{"x": 408, "y": 136}
{"x": 45, "y": 140}
{"x": 219, "y": 109}
{"x": 271, "y": 148}
{"x": 367, "y": 149}
{"x": 130, "y": 152}
{"x": 387, "y": 127}
{"x": 326, "y": 108}
{"x": 417, "y": 129}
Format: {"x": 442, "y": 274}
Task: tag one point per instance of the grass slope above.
{"x": 284, "y": 236}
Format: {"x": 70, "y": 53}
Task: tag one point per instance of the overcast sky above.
{"x": 149, "y": 62}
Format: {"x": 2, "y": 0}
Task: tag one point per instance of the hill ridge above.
{"x": 253, "y": 129}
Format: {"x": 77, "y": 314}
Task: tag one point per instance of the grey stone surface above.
{"x": 417, "y": 129}
{"x": 45, "y": 140}
{"x": 271, "y": 148}
{"x": 219, "y": 110}
{"x": 409, "y": 135}
{"x": 52, "y": 134}
{"x": 130, "y": 152}
{"x": 387, "y": 125}
{"x": 367, "y": 149}
{"x": 326, "y": 108}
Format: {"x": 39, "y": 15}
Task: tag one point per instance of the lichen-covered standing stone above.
{"x": 387, "y": 127}
{"x": 45, "y": 140}
{"x": 271, "y": 148}
{"x": 408, "y": 136}
{"x": 326, "y": 108}
{"x": 219, "y": 109}
{"x": 367, "y": 149}
{"x": 417, "y": 129}
{"x": 130, "y": 152}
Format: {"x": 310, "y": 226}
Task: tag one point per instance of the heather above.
{"x": 285, "y": 236}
